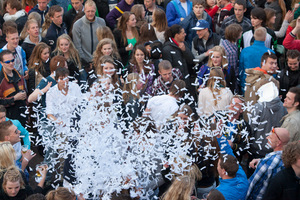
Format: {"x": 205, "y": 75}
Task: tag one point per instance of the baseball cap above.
{"x": 201, "y": 24}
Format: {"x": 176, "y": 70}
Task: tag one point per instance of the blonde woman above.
{"x": 65, "y": 47}
{"x": 217, "y": 58}
{"x": 216, "y": 96}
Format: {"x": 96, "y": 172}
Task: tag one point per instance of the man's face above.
{"x": 273, "y": 139}
{"x": 33, "y": 30}
{"x": 63, "y": 82}
{"x": 149, "y": 3}
{"x": 12, "y": 39}
{"x": 239, "y": 11}
{"x": 236, "y": 106}
{"x": 14, "y": 134}
{"x": 201, "y": 33}
{"x": 90, "y": 12}
{"x": 166, "y": 75}
{"x": 77, "y": 4}
{"x": 289, "y": 101}
{"x": 198, "y": 10}
{"x": 8, "y": 67}
{"x": 270, "y": 65}
{"x": 42, "y": 4}
{"x": 2, "y": 116}
{"x": 129, "y": 2}
{"x": 293, "y": 64}
{"x": 58, "y": 18}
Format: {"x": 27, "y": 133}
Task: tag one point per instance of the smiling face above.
{"x": 109, "y": 69}
{"x": 216, "y": 59}
{"x": 45, "y": 54}
{"x": 289, "y": 101}
{"x": 139, "y": 56}
{"x": 131, "y": 21}
{"x": 293, "y": 63}
{"x": 8, "y": 67}
{"x": 64, "y": 45}
{"x": 106, "y": 50}
{"x": 12, "y": 39}
{"x": 180, "y": 37}
{"x": 12, "y": 188}
{"x": 14, "y": 134}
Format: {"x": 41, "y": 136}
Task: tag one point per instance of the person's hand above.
{"x": 26, "y": 75}
{"x": 289, "y": 16}
{"x": 20, "y": 96}
{"x": 181, "y": 46}
{"x": 43, "y": 169}
{"x": 129, "y": 47}
{"x": 46, "y": 88}
{"x": 28, "y": 155}
{"x": 253, "y": 163}
{"x": 207, "y": 52}
{"x": 147, "y": 112}
{"x": 230, "y": 143}
{"x": 219, "y": 3}
{"x": 181, "y": 19}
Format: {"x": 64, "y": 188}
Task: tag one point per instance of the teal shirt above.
{"x": 24, "y": 132}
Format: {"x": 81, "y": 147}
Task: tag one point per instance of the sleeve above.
{"x": 121, "y": 47}
{"x": 24, "y": 132}
{"x": 188, "y": 56}
{"x": 281, "y": 32}
{"x": 166, "y": 54}
{"x": 222, "y": 30}
{"x": 7, "y": 101}
{"x": 213, "y": 11}
{"x": 274, "y": 189}
{"x": 76, "y": 32}
{"x": 172, "y": 15}
{"x": 24, "y": 60}
{"x": 289, "y": 42}
{"x": 50, "y": 99}
{"x": 200, "y": 57}
{"x": 111, "y": 18}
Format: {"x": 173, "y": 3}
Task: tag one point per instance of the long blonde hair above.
{"x": 216, "y": 82}
{"x": 7, "y": 155}
{"x": 98, "y": 54}
{"x": 73, "y": 53}
{"x": 221, "y": 50}
{"x": 130, "y": 87}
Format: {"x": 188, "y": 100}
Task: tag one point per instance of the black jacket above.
{"x": 28, "y": 46}
{"x": 69, "y": 18}
{"x": 182, "y": 60}
{"x": 121, "y": 46}
{"x": 285, "y": 185}
{"x": 54, "y": 32}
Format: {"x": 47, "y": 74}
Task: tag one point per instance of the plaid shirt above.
{"x": 265, "y": 170}
{"x": 160, "y": 87}
{"x": 231, "y": 51}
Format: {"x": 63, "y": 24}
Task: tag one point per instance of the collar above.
{"x": 175, "y": 42}
{"x": 15, "y": 78}
{"x": 260, "y": 69}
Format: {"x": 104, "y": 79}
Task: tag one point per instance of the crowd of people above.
{"x": 166, "y": 99}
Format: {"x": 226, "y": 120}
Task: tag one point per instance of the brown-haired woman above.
{"x": 126, "y": 35}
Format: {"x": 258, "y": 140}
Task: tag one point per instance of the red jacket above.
{"x": 289, "y": 42}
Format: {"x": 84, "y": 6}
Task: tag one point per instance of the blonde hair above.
{"x": 98, "y": 53}
{"x": 73, "y": 53}
{"x": 180, "y": 189}
{"x": 7, "y": 155}
{"x": 36, "y": 16}
{"x": 221, "y": 50}
{"x": 12, "y": 174}
{"x": 130, "y": 87}
{"x": 46, "y": 24}
{"x": 216, "y": 76}
{"x": 90, "y": 3}
{"x": 104, "y": 32}
{"x": 24, "y": 32}
{"x": 60, "y": 193}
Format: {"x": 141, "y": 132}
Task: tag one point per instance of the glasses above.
{"x": 273, "y": 131}
{"x": 9, "y": 61}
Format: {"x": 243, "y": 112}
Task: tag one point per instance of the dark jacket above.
{"x": 189, "y": 22}
{"x": 54, "y": 32}
{"x": 102, "y": 7}
{"x": 198, "y": 44}
{"x": 9, "y": 87}
{"x": 287, "y": 79}
{"x": 28, "y": 46}
{"x": 121, "y": 46}
{"x": 69, "y": 17}
{"x": 31, "y": 80}
{"x": 245, "y": 24}
{"x": 114, "y": 14}
{"x": 283, "y": 186}
{"x": 182, "y": 60}
{"x": 42, "y": 13}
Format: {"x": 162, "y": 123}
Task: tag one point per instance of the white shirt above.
{"x": 162, "y": 107}
{"x": 62, "y": 106}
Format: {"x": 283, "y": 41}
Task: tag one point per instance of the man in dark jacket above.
{"x": 290, "y": 75}
{"x": 204, "y": 42}
{"x": 57, "y": 27}
{"x": 238, "y": 17}
{"x": 12, "y": 88}
{"x": 69, "y": 16}
{"x": 190, "y": 21}
{"x": 41, "y": 8}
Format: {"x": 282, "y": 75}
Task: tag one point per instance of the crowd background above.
{"x": 149, "y": 99}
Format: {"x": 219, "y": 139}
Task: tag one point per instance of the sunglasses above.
{"x": 273, "y": 131}
{"x": 9, "y": 61}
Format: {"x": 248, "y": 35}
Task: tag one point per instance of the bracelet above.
{"x": 292, "y": 34}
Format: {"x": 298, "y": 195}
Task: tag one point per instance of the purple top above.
{"x": 146, "y": 79}
{"x": 114, "y": 14}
